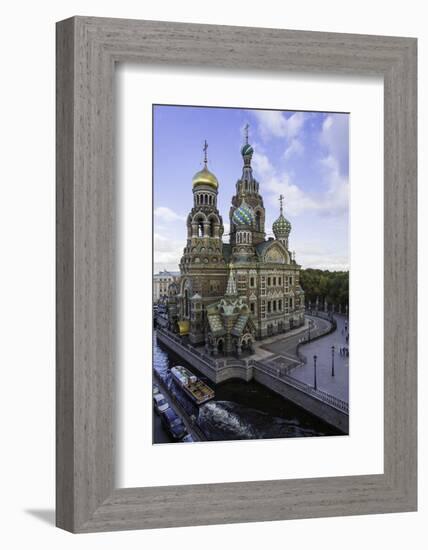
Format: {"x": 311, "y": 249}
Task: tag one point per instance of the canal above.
{"x": 240, "y": 410}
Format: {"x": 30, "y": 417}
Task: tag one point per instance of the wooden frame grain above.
{"x": 87, "y": 50}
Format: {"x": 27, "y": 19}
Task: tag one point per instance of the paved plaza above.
{"x": 280, "y": 351}
{"x": 337, "y": 385}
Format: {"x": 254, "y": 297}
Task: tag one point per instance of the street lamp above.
{"x": 315, "y": 372}
{"x": 332, "y": 360}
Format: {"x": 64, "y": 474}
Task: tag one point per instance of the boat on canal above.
{"x": 193, "y": 386}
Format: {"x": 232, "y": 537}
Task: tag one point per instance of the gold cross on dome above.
{"x": 205, "y": 149}
{"x": 246, "y": 133}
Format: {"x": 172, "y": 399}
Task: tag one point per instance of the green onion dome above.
{"x": 247, "y": 150}
{"x": 281, "y": 227}
{"x": 243, "y": 215}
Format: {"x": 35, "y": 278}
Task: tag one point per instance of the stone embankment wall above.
{"x": 317, "y": 403}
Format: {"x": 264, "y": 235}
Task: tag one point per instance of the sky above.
{"x": 301, "y": 155}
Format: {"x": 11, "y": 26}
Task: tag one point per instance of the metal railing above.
{"x": 276, "y": 372}
{"x": 189, "y": 348}
{"x": 321, "y": 395}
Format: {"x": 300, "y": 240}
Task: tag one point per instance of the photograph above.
{"x": 250, "y": 273}
{"x": 210, "y": 275}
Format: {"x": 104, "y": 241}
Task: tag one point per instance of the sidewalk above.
{"x": 337, "y": 385}
{"x": 263, "y": 354}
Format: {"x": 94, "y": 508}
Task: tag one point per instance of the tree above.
{"x": 332, "y": 286}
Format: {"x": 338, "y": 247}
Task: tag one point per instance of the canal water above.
{"x": 240, "y": 410}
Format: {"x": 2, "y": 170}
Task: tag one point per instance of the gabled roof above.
{"x": 239, "y": 326}
{"x": 261, "y": 248}
{"x": 216, "y": 324}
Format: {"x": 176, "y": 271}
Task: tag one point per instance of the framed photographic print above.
{"x": 236, "y": 274}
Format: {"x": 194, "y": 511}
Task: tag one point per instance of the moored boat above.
{"x": 197, "y": 390}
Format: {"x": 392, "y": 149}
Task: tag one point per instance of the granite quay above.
{"x": 269, "y": 368}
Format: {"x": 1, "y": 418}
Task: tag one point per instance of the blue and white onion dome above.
{"x": 243, "y": 215}
{"x": 281, "y": 227}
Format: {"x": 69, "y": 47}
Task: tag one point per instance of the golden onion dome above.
{"x": 205, "y": 177}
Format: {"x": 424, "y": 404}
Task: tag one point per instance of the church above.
{"x": 230, "y": 294}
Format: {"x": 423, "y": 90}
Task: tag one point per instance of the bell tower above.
{"x": 247, "y": 186}
{"x": 202, "y": 266}
{"x": 204, "y": 223}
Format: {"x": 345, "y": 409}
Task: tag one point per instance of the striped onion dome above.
{"x": 243, "y": 215}
{"x": 281, "y": 227}
{"x": 247, "y": 150}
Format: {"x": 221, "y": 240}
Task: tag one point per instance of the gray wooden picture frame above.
{"x": 87, "y": 50}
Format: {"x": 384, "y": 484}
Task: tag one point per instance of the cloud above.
{"x": 331, "y": 199}
{"x": 262, "y": 165}
{"x": 295, "y": 148}
{"x": 166, "y": 214}
{"x": 316, "y": 255}
{"x": 331, "y": 196}
{"x": 331, "y": 262}
{"x": 167, "y": 252}
{"x": 334, "y": 138}
{"x": 277, "y": 124}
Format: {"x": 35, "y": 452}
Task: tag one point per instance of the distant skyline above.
{"x": 302, "y": 155}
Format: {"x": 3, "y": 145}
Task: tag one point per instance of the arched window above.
{"x": 212, "y": 227}
{"x": 186, "y": 303}
{"x": 258, "y": 220}
{"x": 200, "y": 228}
